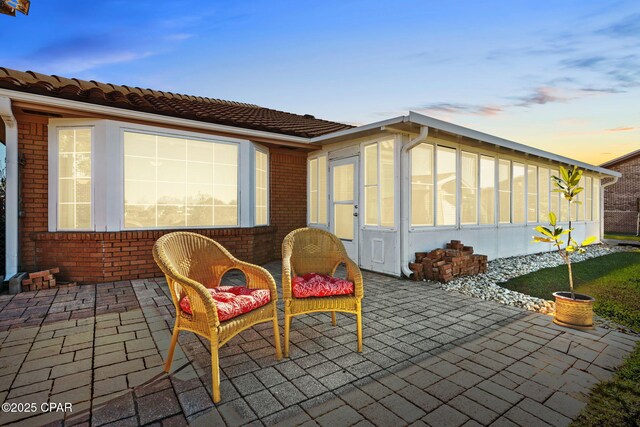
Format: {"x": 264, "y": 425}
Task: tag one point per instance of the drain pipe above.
{"x": 11, "y": 197}
{"x": 601, "y": 203}
{"x": 404, "y": 199}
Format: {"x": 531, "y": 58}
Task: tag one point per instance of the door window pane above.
{"x": 532, "y": 193}
{"x": 446, "y": 186}
{"x": 504, "y": 190}
{"x": 178, "y": 182}
{"x": 487, "y": 189}
{"x": 519, "y": 193}
{"x": 74, "y": 179}
{"x": 343, "y": 183}
{"x": 422, "y": 211}
{"x": 469, "y": 188}
{"x": 343, "y": 216}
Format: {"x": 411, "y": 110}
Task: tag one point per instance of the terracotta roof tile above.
{"x": 199, "y": 108}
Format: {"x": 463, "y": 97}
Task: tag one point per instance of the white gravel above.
{"x": 485, "y": 286}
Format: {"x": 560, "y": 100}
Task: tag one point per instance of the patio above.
{"x": 430, "y": 358}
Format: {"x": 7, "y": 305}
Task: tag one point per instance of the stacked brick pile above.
{"x": 445, "y": 264}
{"x": 40, "y": 280}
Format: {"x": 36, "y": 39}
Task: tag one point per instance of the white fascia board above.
{"x": 150, "y": 117}
{"x": 485, "y": 137}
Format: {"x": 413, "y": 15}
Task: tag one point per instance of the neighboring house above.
{"x": 621, "y": 200}
{"x": 97, "y": 172}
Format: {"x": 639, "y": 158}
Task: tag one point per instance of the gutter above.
{"x": 404, "y": 199}
{"x": 11, "y": 201}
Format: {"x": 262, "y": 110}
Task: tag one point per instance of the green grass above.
{"x": 615, "y": 402}
{"x": 623, "y": 236}
{"x": 613, "y": 280}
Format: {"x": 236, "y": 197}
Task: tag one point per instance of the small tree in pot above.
{"x": 572, "y": 310}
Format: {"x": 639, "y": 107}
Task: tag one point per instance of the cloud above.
{"x": 458, "y": 108}
{"x": 622, "y": 129}
{"x": 541, "y": 96}
{"x": 629, "y": 26}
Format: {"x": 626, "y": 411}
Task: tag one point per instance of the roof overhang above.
{"x": 621, "y": 159}
{"x": 411, "y": 124}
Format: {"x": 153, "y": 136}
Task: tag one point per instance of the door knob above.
{"x": 355, "y": 214}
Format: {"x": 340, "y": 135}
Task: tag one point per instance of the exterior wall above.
{"x": 89, "y": 257}
{"x": 620, "y": 211}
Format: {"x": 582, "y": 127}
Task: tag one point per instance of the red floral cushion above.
{"x": 232, "y": 301}
{"x": 319, "y": 285}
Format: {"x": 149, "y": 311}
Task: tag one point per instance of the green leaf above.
{"x": 564, "y": 174}
{"x": 552, "y": 219}
{"x": 577, "y": 190}
{"x": 569, "y": 249}
{"x": 588, "y": 241}
{"x": 544, "y": 230}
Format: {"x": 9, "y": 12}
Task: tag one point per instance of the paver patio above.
{"x": 430, "y": 358}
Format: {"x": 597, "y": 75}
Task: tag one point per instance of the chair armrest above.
{"x": 258, "y": 278}
{"x": 286, "y": 276}
{"x": 200, "y": 300}
{"x": 354, "y": 275}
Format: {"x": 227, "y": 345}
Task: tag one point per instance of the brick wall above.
{"x": 620, "y": 214}
{"x": 104, "y": 257}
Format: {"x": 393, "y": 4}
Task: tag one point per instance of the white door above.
{"x": 344, "y": 203}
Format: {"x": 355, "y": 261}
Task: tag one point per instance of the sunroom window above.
{"x": 74, "y": 179}
{"x": 469, "y": 188}
{"x": 487, "y": 189}
{"x": 504, "y": 190}
{"x": 422, "y": 196}
{"x": 519, "y": 193}
{"x": 177, "y": 182}
{"x": 446, "y": 186}
{"x": 318, "y": 190}
{"x": 379, "y": 205}
{"x": 261, "y": 188}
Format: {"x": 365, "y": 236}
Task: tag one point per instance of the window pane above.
{"x": 519, "y": 193}
{"x": 175, "y": 182}
{"x": 261, "y": 188}
{"x": 487, "y": 189}
{"x": 446, "y": 187}
{"x": 543, "y": 190}
{"x": 504, "y": 187}
{"x": 596, "y": 199}
{"x": 322, "y": 190}
{"x": 343, "y": 216}
{"x": 343, "y": 183}
{"x": 532, "y": 193}
{"x": 469, "y": 188}
{"x": 313, "y": 191}
{"x": 422, "y": 211}
{"x": 371, "y": 205}
{"x": 554, "y": 198}
{"x": 371, "y": 164}
{"x": 387, "y": 203}
{"x": 74, "y": 179}
{"x": 589, "y": 199}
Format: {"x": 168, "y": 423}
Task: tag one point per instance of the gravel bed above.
{"x": 485, "y": 286}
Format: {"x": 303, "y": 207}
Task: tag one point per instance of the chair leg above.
{"x": 287, "y": 326}
{"x": 215, "y": 372}
{"x": 333, "y": 318}
{"x": 359, "y": 326}
{"x": 172, "y": 347}
{"x": 276, "y": 333}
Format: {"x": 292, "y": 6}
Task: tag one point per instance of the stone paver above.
{"x": 430, "y": 358}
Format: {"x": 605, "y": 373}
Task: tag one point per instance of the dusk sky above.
{"x": 563, "y": 76}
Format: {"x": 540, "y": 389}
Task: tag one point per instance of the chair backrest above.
{"x": 313, "y": 251}
{"x": 193, "y": 256}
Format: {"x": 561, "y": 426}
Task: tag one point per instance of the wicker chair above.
{"x": 192, "y": 263}
{"x": 310, "y": 250}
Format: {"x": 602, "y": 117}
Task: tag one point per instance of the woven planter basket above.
{"x": 574, "y": 313}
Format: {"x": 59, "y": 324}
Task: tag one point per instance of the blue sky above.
{"x": 563, "y": 76}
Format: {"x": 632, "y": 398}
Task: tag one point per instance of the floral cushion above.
{"x": 232, "y": 301}
{"x": 319, "y": 285}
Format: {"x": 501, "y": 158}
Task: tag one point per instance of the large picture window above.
{"x": 318, "y": 190}
{"x": 74, "y": 179}
{"x": 422, "y": 195}
{"x": 178, "y": 182}
{"x": 487, "y": 189}
{"x": 446, "y": 186}
{"x": 379, "y": 203}
{"x": 469, "y": 188}
{"x": 261, "y": 188}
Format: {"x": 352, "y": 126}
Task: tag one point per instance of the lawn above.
{"x": 623, "y": 236}
{"x": 614, "y": 280}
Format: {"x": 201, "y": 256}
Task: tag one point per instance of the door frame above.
{"x": 355, "y": 243}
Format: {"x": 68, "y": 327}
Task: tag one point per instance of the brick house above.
{"x": 621, "y": 198}
{"x": 97, "y": 172}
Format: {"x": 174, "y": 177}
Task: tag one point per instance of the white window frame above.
{"x": 378, "y": 142}
{"x": 255, "y": 149}
{"x": 107, "y": 175}
{"x": 317, "y": 156}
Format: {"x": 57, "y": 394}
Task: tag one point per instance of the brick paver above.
{"x": 430, "y": 358}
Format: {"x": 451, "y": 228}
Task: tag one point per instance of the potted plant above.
{"x": 572, "y": 310}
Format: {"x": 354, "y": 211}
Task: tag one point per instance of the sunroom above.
{"x": 413, "y": 183}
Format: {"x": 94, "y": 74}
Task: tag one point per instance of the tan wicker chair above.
{"x": 192, "y": 263}
{"x": 310, "y": 250}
